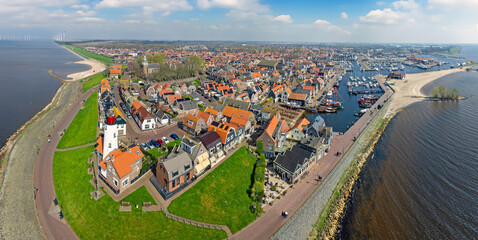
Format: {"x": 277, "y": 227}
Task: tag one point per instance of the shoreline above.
{"x": 406, "y": 92}
{"x": 10, "y": 143}
{"x": 95, "y": 67}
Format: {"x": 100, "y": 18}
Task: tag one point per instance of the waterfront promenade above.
{"x": 299, "y": 227}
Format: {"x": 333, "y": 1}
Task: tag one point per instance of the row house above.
{"x": 198, "y": 153}
{"x": 193, "y": 124}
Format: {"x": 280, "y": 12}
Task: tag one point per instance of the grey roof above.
{"x": 188, "y": 105}
{"x": 219, "y": 107}
{"x": 316, "y": 125}
{"x": 153, "y": 65}
{"x": 302, "y": 91}
{"x": 293, "y": 157}
{"x": 237, "y": 104}
{"x": 177, "y": 163}
{"x": 257, "y": 108}
{"x": 161, "y": 114}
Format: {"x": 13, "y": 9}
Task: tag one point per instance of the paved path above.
{"x": 271, "y": 220}
{"x": 43, "y": 177}
{"x": 77, "y": 147}
{"x": 17, "y": 209}
{"x": 198, "y": 224}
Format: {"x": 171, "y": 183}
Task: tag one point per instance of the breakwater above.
{"x": 328, "y": 222}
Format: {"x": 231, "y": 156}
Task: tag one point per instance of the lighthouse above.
{"x": 110, "y": 134}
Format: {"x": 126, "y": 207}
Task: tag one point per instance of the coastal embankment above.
{"x": 17, "y": 160}
{"x": 19, "y": 153}
{"x": 96, "y": 67}
{"x": 406, "y": 92}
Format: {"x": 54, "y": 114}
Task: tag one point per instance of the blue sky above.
{"x": 402, "y": 21}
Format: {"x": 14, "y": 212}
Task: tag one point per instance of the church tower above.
{"x": 110, "y": 134}
{"x": 145, "y": 65}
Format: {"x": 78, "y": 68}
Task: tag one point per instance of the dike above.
{"x": 330, "y": 218}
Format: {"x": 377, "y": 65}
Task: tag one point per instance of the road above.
{"x": 43, "y": 177}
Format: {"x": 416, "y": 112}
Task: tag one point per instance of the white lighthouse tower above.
{"x": 111, "y": 134}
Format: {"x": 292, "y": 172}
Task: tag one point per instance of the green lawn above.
{"x": 87, "y": 54}
{"x": 82, "y": 129}
{"x": 95, "y": 80}
{"x": 221, "y": 197}
{"x": 102, "y": 219}
{"x": 196, "y": 82}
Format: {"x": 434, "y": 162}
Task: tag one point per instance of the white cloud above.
{"x": 283, "y": 19}
{"x": 167, "y": 13}
{"x": 148, "y": 6}
{"x": 329, "y": 27}
{"x": 82, "y": 6}
{"x": 447, "y": 4}
{"x": 90, "y": 19}
{"x": 409, "y": 5}
{"x": 85, "y": 13}
{"x": 476, "y": 27}
{"x": 380, "y": 3}
{"x": 242, "y": 5}
{"x": 344, "y": 15}
{"x": 132, "y": 21}
{"x": 385, "y": 16}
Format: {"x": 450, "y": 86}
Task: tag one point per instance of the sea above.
{"x": 421, "y": 182}
{"x": 26, "y": 86}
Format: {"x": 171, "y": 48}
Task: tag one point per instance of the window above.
{"x": 174, "y": 183}
{"x": 109, "y": 145}
{"x": 190, "y": 123}
{"x": 114, "y": 135}
{"x": 178, "y": 181}
{"x": 270, "y": 147}
{"x": 115, "y": 182}
{"x": 187, "y": 167}
{"x": 175, "y": 174}
{"x": 125, "y": 182}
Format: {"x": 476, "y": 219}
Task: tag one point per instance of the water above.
{"x": 26, "y": 87}
{"x": 422, "y": 182}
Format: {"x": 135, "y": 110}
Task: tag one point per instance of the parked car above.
{"x": 160, "y": 141}
{"x": 165, "y": 140}
{"x": 196, "y": 98}
{"x": 200, "y": 102}
{"x": 155, "y": 143}
{"x": 150, "y": 145}
{"x": 174, "y": 136}
{"x": 144, "y": 146}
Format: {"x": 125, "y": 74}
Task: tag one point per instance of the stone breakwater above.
{"x": 17, "y": 209}
{"x": 5, "y": 150}
{"x": 328, "y": 223}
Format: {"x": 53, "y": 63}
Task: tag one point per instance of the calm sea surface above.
{"x": 25, "y": 84}
{"x": 422, "y": 181}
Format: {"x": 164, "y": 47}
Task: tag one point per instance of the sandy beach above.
{"x": 95, "y": 68}
{"x": 409, "y": 90}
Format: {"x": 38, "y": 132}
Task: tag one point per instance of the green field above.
{"x": 82, "y": 129}
{"x": 95, "y": 80}
{"x": 87, "y": 54}
{"x": 102, "y": 219}
{"x": 222, "y": 196}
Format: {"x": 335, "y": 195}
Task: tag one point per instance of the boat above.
{"x": 339, "y": 79}
{"x": 325, "y": 109}
{"x": 362, "y": 112}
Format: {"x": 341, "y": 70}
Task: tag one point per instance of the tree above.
{"x": 259, "y": 147}
{"x": 435, "y": 92}
{"x": 442, "y": 91}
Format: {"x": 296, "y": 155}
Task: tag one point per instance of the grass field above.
{"x": 82, "y": 129}
{"x": 221, "y": 197}
{"x": 87, "y": 54}
{"x": 95, "y": 80}
{"x": 102, "y": 219}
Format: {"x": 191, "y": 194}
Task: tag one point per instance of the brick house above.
{"x": 193, "y": 124}
{"x": 119, "y": 168}
{"x": 174, "y": 171}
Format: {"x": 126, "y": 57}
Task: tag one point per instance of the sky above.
{"x": 403, "y": 21}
